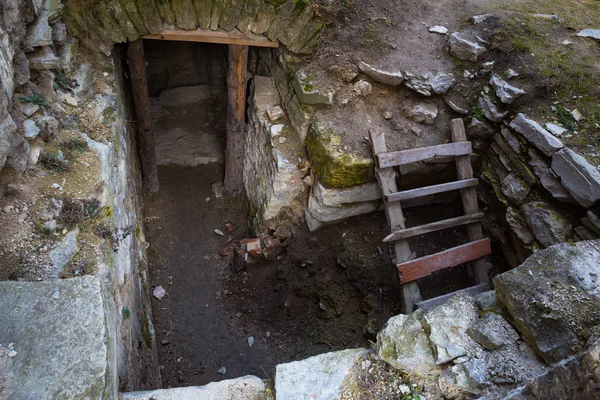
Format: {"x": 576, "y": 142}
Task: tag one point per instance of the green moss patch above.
{"x": 335, "y": 166}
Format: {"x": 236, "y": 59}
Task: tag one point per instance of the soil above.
{"x": 331, "y": 289}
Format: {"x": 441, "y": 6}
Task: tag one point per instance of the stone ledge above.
{"x": 58, "y": 330}
{"x": 244, "y": 388}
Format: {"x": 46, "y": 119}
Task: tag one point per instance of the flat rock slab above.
{"x": 536, "y": 134}
{"x": 553, "y": 298}
{"x": 244, "y": 388}
{"x": 59, "y": 332}
{"x": 580, "y": 178}
{"x": 316, "y": 378}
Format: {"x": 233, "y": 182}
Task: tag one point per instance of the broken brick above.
{"x": 254, "y": 247}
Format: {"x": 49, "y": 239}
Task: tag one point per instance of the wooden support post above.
{"x": 469, "y": 199}
{"x": 395, "y": 217}
{"x": 236, "y": 121}
{"x": 143, "y": 124}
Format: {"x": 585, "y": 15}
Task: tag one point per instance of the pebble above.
{"x": 56, "y": 295}
{"x": 12, "y": 353}
{"x": 219, "y": 232}
{"x": 159, "y": 292}
{"x": 442, "y": 30}
{"x": 222, "y": 371}
{"x": 250, "y": 341}
{"x": 577, "y": 115}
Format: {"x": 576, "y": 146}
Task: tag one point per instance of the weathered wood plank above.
{"x": 143, "y": 120}
{"x": 421, "y": 267}
{"x": 236, "y": 119}
{"x": 403, "y": 157}
{"x": 469, "y": 198}
{"x": 433, "y": 227}
{"x": 437, "y": 301}
{"x": 213, "y": 37}
{"x": 393, "y": 211}
{"x": 433, "y": 189}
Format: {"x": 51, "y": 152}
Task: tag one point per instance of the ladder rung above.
{"x": 403, "y": 157}
{"x": 429, "y": 190}
{"x": 437, "y": 301}
{"x": 421, "y": 267}
{"x": 434, "y": 226}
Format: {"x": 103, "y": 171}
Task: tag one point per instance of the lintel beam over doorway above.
{"x": 218, "y": 37}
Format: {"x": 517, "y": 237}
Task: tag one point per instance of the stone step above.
{"x": 53, "y": 340}
{"x": 244, "y": 388}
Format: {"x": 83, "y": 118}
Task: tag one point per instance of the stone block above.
{"x": 403, "y": 343}
{"x": 387, "y": 77}
{"x": 59, "y": 332}
{"x": 340, "y": 197}
{"x": 578, "y": 176}
{"x": 506, "y": 92}
{"x": 43, "y": 58}
{"x": 319, "y": 215}
{"x": 553, "y": 298}
{"x": 548, "y": 225}
{"x": 321, "y": 377}
{"x": 547, "y": 178}
{"x": 536, "y": 134}
{"x": 245, "y": 388}
{"x": 309, "y": 91}
{"x": 465, "y": 46}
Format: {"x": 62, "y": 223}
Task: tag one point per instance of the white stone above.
{"x": 275, "y": 113}
{"x": 578, "y": 176}
{"x": 39, "y": 32}
{"x": 511, "y": 73}
{"x": 387, "y": 77}
{"x": 321, "y": 377}
{"x": 465, "y": 46}
{"x": 547, "y": 178}
{"x": 31, "y": 129}
{"x": 555, "y": 129}
{"x": 442, "y": 30}
{"x": 504, "y": 90}
{"x": 343, "y": 196}
{"x": 67, "y": 98}
{"x": 244, "y": 388}
{"x": 477, "y": 19}
{"x": 65, "y": 251}
{"x": 43, "y": 58}
{"x": 159, "y": 292}
{"x": 491, "y": 111}
{"x": 577, "y": 115}
{"x": 536, "y": 134}
{"x": 318, "y": 215}
{"x": 422, "y": 113}
{"x": 591, "y": 33}
{"x": 363, "y": 88}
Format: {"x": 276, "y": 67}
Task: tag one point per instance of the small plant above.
{"x": 301, "y": 3}
{"x": 36, "y": 99}
{"x": 75, "y": 144}
{"x": 62, "y": 82}
{"x": 565, "y": 118}
{"x": 75, "y": 211}
{"x": 126, "y": 313}
{"x": 280, "y": 268}
{"x": 477, "y": 113}
{"x": 53, "y": 163}
{"x": 414, "y": 392}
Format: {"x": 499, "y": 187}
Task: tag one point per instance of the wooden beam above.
{"x": 421, "y": 267}
{"x": 464, "y": 170}
{"x": 434, "y": 226}
{"x": 236, "y": 119}
{"x": 203, "y": 36}
{"x": 404, "y": 157}
{"x": 143, "y": 122}
{"x": 434, "y": 189}
{"x": 438, "y": 301}
{"x": 393, "y": 211}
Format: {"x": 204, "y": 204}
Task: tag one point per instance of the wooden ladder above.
{"x": 411, "y": 268}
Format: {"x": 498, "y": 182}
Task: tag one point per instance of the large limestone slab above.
{"x": 319, "y": 215}
{"x": 553, "y": 298}
{"x": 316, "y": 378}
{"x": 58, "y": 330}
{"x": 244, "y": 388}
{"x": 578, "y": 176}
{"x": 536, "y": 134}
{"x": 447, "y": 326}
{"x": 403, "y": 343}
{"x": 339, "y": 197}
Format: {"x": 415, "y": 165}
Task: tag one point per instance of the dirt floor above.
{"x": 332, "y": 289}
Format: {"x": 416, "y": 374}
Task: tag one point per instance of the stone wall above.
{"x": 273, "y": 164}
{"x": 99, "y": 24}
{"x": 40, "y": 108}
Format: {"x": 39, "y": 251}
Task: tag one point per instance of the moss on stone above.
{"x": 334, "y": 166}
{"x": 185, "y": 14}
{"x": 203, "y": 9}
{"x": 165, "y": 10}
